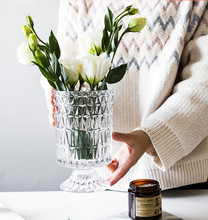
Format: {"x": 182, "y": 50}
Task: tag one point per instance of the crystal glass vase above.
{"x": 83, "y": 124}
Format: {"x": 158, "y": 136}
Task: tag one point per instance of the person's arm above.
{"x": 181, "y": 123}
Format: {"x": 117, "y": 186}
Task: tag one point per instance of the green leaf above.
{"x": 107, "y": 24}
{"x": 115, "y": 41}
{"x": 54, "y": 46}
{"x": 81, "y": 82}
{"x": 56, "y": 66}
{"x": 61, "y": 85}
{"x": 52, "y": 84}
{"x": 54, "y": 62}
{"x": 63, "y": 74}
{"x": 69, "y": 86}
{"x": 41, "y": 59}
{"x": 103, "y": 86}
{"x": 45, "y": 73}
{"x": 109, "y": 20}
{"x": 116, "y": 74}
{"x": 45, "y": 49}
{"x": 105, "y": 40}
{"x": 42, "y": 47}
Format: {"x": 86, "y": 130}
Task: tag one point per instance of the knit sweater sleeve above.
{"x": 67, "y": 32}
{"x": 181, "y": 122}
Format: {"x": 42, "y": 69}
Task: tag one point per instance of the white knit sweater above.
{"x": 165, "y": 91}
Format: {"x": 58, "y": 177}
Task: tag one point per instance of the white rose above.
{"x": 72, "y": 68}
{"x": 90, "y": 39}
{"x": 24, "y": 54}
{"x": 94, "y": 68}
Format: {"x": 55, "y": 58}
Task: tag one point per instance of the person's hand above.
{"x": 136, "y": 144}
{"x": 49, "y": 99}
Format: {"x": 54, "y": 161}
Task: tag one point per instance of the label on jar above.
{"x": 149, "y": 206}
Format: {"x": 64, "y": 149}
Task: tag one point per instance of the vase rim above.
{"x": 83, "y": 92}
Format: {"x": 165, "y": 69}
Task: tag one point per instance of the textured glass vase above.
{"x": 83, "y": 123}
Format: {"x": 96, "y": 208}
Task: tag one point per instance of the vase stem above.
{"x": 84, "y": 181}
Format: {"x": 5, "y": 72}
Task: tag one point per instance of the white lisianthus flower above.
{"x": 94, "y": 68}
{"x": 72, "y": 67}
{"x": 24, "y": 54}
{"x": 91, "y": 41}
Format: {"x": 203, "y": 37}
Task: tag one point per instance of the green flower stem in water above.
{"x": 82, "y": 139}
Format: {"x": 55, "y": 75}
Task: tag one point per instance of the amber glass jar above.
{"x": 145, "y": 200}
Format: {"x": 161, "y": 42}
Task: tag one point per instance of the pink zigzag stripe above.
{"x": 145, "y": 42}
{"x": 87, "y": 7}
{"x": 151, "y": 8}
{"x": 176, "y": 5}
{"x": 159, "y": 3}
{"x": 115, "y": 9}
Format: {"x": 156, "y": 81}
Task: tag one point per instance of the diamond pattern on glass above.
{"x": 83, "y": 122}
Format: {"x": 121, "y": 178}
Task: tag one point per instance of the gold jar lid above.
{"x": 144, "y": 185}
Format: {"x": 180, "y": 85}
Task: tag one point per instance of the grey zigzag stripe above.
{"x": 159, "y": 20}
{"x": 90, "y": 23}
{"x": 71, "y": 5}
{"x": 194, "y": 22}
{"x": 151, "y": 27}
{"x": 69, "y": 35}
{"x": 163, "y": 24}
{"x": 170, "y": 20}
{"x": 145, "y": 61}
{"x": 187, "y": 16}
{"x": 135, "y": 62}
{"x": 175, "y": 55}
{"x": 85, "y": 28}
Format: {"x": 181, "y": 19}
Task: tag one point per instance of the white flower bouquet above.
{"x": 83, "y": 117}
{"x": 95, "y": 67}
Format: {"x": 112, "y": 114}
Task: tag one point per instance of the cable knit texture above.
{"x": 164, "y": 92}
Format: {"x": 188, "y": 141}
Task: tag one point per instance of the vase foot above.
{"x": 84, "y": 181}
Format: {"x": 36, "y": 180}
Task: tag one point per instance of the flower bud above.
{"x": 133, "y": 11}
{"x": 128, "y": 8}
{"x": 33, "y": 42}
{"x": 26, "y": 31}
{"x": 30, "y": 21}
{"x": 41, "y": 59}
{"x": 136, "y": 24}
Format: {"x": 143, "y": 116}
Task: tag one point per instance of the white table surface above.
{"x": 186, "y": 204}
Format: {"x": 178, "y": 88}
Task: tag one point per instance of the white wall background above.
{"x": 27, "y": 140}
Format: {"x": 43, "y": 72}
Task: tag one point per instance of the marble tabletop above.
{"x": 58, "y": 205}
